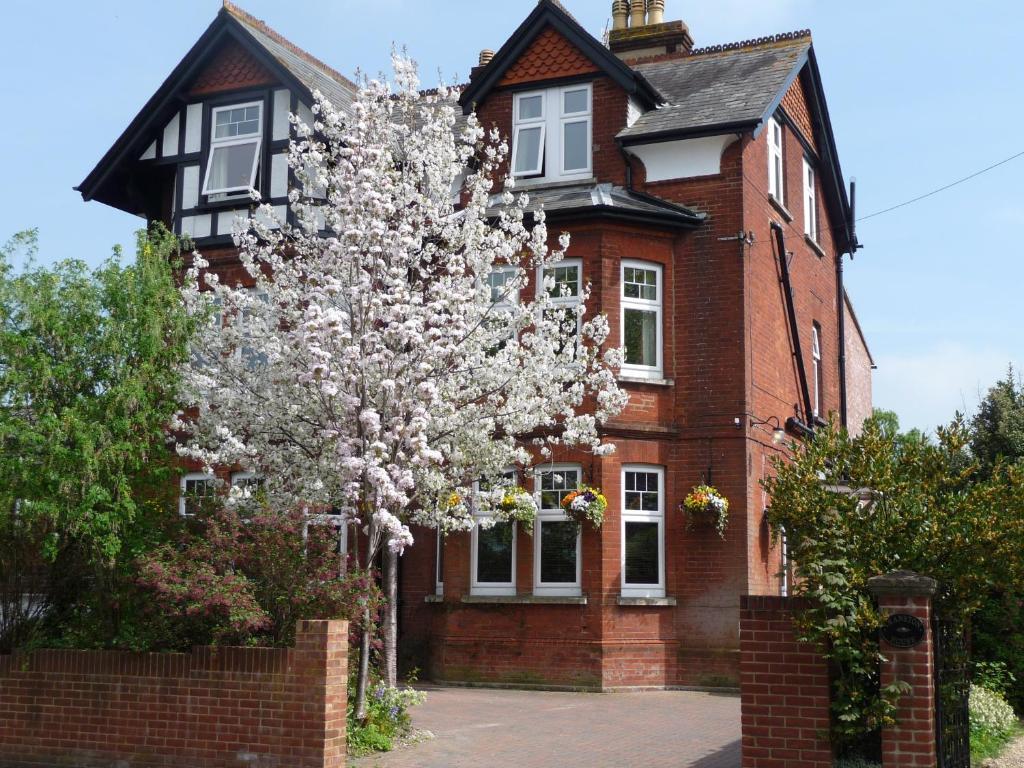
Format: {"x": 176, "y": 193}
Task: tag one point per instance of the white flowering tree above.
{"x": 394, "y": 347}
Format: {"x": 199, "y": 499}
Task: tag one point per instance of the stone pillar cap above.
{"x": 903, "y": 583}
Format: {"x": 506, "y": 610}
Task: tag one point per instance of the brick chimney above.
{"x": 648, "y": 34}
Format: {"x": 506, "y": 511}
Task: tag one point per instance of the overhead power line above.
{"x": 940, "y": 189}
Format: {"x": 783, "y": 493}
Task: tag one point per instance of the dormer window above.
{"x": 236, "y": 137}
{"x": 552, "y": 133}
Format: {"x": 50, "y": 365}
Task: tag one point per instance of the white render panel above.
{"x": 189, "y": 187}
{"x": 683, "y": 159}
{"x": 279, "y": 175}
{"x": 196, "y": 226}
{"x": 281, "y": 111}
{"x": 633, "y": 111}
{"x": 193, "y": 128}
{"x": 171, "y": 137}
{"x": 275, "y": 221}
{"x": 150, "y": 152}
{"x": 305, "y": 114}
{"x": 226, "y": 220}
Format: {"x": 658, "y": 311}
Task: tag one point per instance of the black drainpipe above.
{"x": 841, "y": 301}
{"x": 794, "y": 329}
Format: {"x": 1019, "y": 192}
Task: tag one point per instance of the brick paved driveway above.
{"x": 486, "y": 728}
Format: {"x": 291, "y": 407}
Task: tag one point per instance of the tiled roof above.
{"x": 605, "y": 198}
{"x": 310, "y": 71}
{"x": 720, "y": 85}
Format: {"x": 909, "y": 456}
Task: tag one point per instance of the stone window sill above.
{"x": 814, "y": 246}
{"x": 648, "y": 602}
{"x": 433, "y": 599}
{"x": 778, "y": 206}
{"x": 523, "y": 600}
{"x": 641, "y": 380}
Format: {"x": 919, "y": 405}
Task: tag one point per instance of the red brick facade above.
{"x": 785, "y": 684}
{"x": 728, "y": 366}
{"x": 213, "y": 708}
{"x": 728, "y": 356}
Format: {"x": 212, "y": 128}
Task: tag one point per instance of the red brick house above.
{"x": 706, "y": 204}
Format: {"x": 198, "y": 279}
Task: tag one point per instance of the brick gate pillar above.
{"x": 911, "y": 742}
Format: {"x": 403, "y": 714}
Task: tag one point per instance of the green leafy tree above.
{"x": 997, "y": 429}
{"x": 853, "y": 508}
{"x": 89, "y": 363}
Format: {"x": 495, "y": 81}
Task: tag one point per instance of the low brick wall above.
{"x": 211, "y": 708}
{"x": 785, "y": 690}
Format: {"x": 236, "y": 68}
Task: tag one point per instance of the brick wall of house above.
{"x": 858, "y": 376}
{"x": 785, "y": 690}
{"x": 212, "y": 708}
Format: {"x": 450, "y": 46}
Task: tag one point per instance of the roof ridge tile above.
{"x": 248, "y": 19}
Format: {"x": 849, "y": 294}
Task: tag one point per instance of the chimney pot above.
{"x": 485, "y": 57}
{"x": 620, "y": 14}
{"x": 638, "y": 13}
{"x": 655, "y": 11}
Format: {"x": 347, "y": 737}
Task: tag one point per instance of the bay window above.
{"x": 493, "y": 553}
{"x": 552, "y": 133}
{"x": 563, "y": 283}
{"x": 235, "y": 142}
{"x": 643, "y": 531}
{"x": 556, "y": 553}
{"x": 641, "y": 318}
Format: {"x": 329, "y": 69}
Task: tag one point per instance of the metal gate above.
{"x": 952, "y": 689}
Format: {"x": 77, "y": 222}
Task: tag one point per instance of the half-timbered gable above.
{"x": 218, "y": 128}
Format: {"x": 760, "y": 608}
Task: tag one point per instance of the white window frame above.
{"x": 438, "y": 564}
{"x": 490, "y": 588}
{"x": 776, "y": 161}
{"x": 247, "y": 354}
{"x": 519, "y": 124}
{"x": 657, "y": 371}
{"x": 215, "y": 143}
{"x": 643, "y": 516}
{"x": 550, "y": 165}
{"x": 336, "y": 521}
{"x": 555, "y": 589}
{"x": 810, "y": 201}
{"x": 564, "y": 302}
{"x": 816, "y": 365}
{"x": 182, "y": 485}
{"x": 567, "y": 118}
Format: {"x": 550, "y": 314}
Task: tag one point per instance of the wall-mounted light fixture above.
{"x": 778, "y": 432}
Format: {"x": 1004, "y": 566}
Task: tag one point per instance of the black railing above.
{"x": 952, "y": 691}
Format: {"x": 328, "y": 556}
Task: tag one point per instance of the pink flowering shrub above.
{"x": 234, "y": 580}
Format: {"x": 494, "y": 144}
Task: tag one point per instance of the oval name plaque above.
{"x": 903, "y": 630}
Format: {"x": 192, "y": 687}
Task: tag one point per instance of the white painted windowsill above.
{"x": 627, "y": 379}
{"x": 650, "y": 602}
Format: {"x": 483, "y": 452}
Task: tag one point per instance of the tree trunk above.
{"x": 364, "y": 667}
{"x": 390, "y": 618}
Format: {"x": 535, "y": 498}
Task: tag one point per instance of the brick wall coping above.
{"x": 902, "y": 583}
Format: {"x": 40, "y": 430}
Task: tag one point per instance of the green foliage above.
{"x": 993, "y": 723}
{"x": 997, "y": 429}
{"x": 929, "y": 510}
{"x": 993, "y": 676}
{"x": 387, "y": 716}
{"x": 856, "y": 762}
{"x": 89, "y": 364}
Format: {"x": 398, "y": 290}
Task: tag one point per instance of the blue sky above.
{"x": 921, "y": 94}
